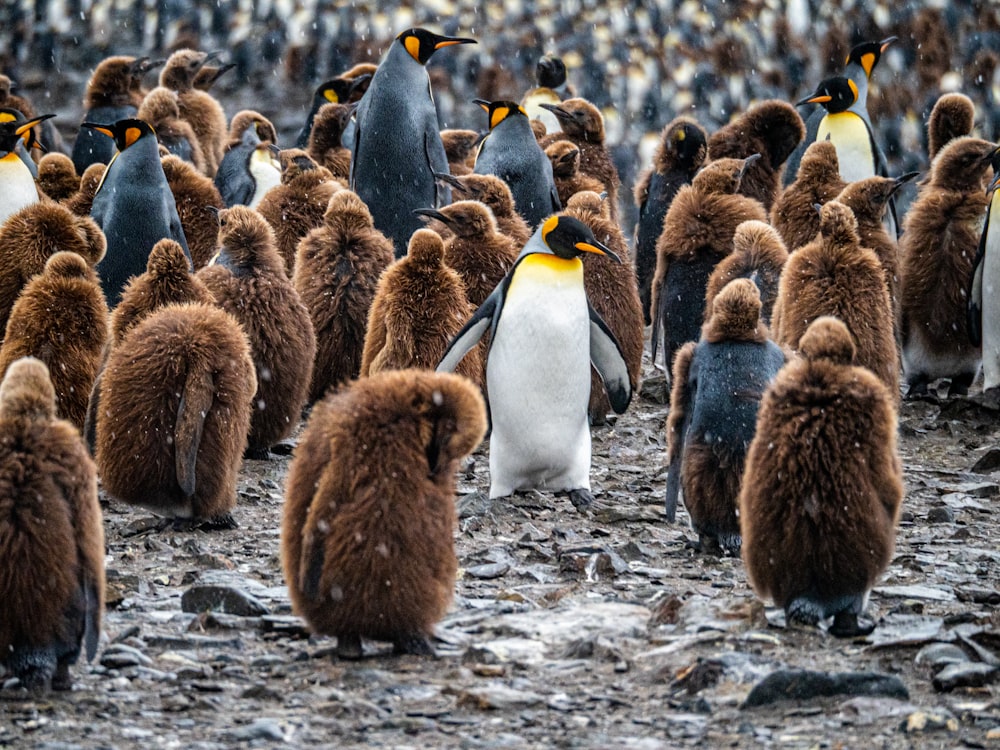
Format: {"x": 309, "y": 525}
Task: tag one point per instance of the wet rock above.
{"x": 498, "y": 697}
{"x": 906, "y": 630}
{"x": 978, "y": 595}
{"x": 655, "y": 389}
{"x": 119, "y": 656}
{"x": 805, "y": 685}
{"x": 261, "y": 729}
{"x": 940, "y": 593}
{"x": 965, "y": 675}
{"x": 989, "y": 461}
{"x": 488, "y": 571}
{"x": 293, "y": 627}
{"x": 939, "y": 655}
{"x": 225, "y": 599}
{"x": 941, "y": 514}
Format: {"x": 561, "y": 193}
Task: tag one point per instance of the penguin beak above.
{"x": 884, "y": 44}
{"x": 108, "y": 130}
{"x": 482, "y": 103}
{"x": 598, "y": 248}
{"x": 562, "y": 114}
{"x": 448, "y": 41}
{"x": 815, "y": 98}
{"x": 902, "y": 180}
{"x": 747, "y": 163}
{"x": 432, "y": 213}
{"x": 818, "y": 207}
{"x": 26, "y": 126}
{"x": 450, "y": 180}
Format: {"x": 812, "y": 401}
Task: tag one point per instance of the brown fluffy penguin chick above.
{"x": 13, "y": 101}
{"x": 51, "y": 535}
{"x": 717, "y": 386}
{"x": 199, "y": 108}
{"x": 367, "y": 535}
{"x": 419, "y": 306}
{"x": 480, "y": 254}
{"x": 759, "y": 255}
{"x": 110, "y": 85}
{"x": 195, "y": 196}
{"x": 248, "y": 280}
{"x": 952, "y": 117}
{"x": 82, "y": 200}
{"x": 337, "y": 268}
{"x": 823, "y": 484}
{"x": 612, "y": 291}
{"x": 57, "y": 176}
{"x": 460, "y": 147}
{"x": 161, "y": 109}
{"x": 835, "y": 275}
{"x": 168, "y": 280}
{"x": 495, "y": 193}
{"x": 247, "y": 118}
{"x": 697, "y": 234}
{"x": 818, "y": 181}
{"x": 62, "y": 319}
{"x": 565, "y": 159}
{"x": 583, "y": 124}
{"x": 175, "y": 398}
{"x": 297, "y": 205}
{"x": 940, "y": 235}
{"x": 32, "y": 235}
{"x": 772, "y": 129}
{"x": 325, "y": 146}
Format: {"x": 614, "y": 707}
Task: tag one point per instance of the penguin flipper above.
{"x": 91, "y": 618}
{"x": 442, "y": 192}
{"x": 658, "y": 306}
{"x": 196, "y": 400}
{"x": 606, "y": 356}
{"x": 472, "y": 331}
{"x": 678, "y": 419}
{"x": 974, "y": 306}
{"x": 90, "y": 420}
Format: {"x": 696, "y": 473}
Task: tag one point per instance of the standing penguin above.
{"x": 133, "y": 205}
{"x": 367, "y": 536}
{"x": 565, "y": 159}
{"x": 984, "y": 311}
{"x": 942, "y": 231}
{"x": 19, "y": 188}
{"x": 717, "y": 387}
{"x": 248, "y": 170}
{"x": 543, "y": 337}
{"x": 681, "y": 153}
{"x": 161, "y": 110}
{"x": 823, "y": 484}
{"x": 759, "y": 255}
{"x": 51, "y": 535}
{"x": 794, "y": 214}
{"x": 397, "y": 141}
{"x": 512, "y": 153}
{"x": 248, "y": 280}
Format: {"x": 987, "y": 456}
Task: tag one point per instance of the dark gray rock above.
{"x": 226, "y": 599}
{"x": 965, "y": 675}
{"x": 802, "y": 685}
{"x": 939, "y": 655}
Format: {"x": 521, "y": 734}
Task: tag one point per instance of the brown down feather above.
{"x": 565, "y": 159}
{"x": 952, "y": 117}
{"x": 460, "y": 148}
{"x": 195, "y": 196}
{"x": 325, "y": 146}
{"x": 82, "y": 200}
{"x": 161, "y": 109}
{"x": 818, "y": 181}
{"x": 758, "y": 252}
{"x": 57, "y": 176}
{"x": 495, "y": 193}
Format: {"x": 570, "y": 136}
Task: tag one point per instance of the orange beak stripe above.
{"x": 588, "y": 248}
{"x": 819, "y": 99}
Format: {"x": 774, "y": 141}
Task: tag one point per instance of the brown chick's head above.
{"x": 347, "y": 212}
{"x": 565, "y": 158}
{"x": 837, "y": 224}
{"x": 81, "y": 201}
{"x": 57, "y": 176}
{"x": 245, "y": 239}
{"x": 580, "y": 119}
{"x": 469, "y": 219}
{"x": 460, "y": 145}
{"x": 828, "y": 338}
{"x": 247, "y": 118}
{"x": 181, "y": 68}
{"x": 868, "y": 198}
{"x": 952, "y": 117}
{"x": 758, "y": 253}
{"x": 721, "y": 177}
{"x": 962, "y": 165}
{"x": 735, "y": 314}
{"x": 111, "y": 83}
{"x": 26, "y": 391}
{"x": 328, "y": 128}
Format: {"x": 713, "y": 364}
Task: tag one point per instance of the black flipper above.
{"x": 974, "y": 306}
{"x": 196, "y": 401}
{"x": 606, "y": 356}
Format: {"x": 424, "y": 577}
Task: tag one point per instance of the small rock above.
{"x": 941, "y": 514}
{"x": 964, "y": 675}
{"x": 789, "y": 684}
{"x": 224, "y": 599}
{"x": 499, "y": 698}
{"x": 489, "y": 571}
{"x": 293, "y": 627}
{"x": 939, "y": 655}
{"x": 989, "y": 461}
{"x": 262, "y": 729}
{"x": 921, "y": 721}
{"x": 654, "y": 389}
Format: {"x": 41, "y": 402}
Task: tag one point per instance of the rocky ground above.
{"x": 598, "y": 630}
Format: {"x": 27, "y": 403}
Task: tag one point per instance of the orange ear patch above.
{"x": 331, "y": 96}
{"x": 550, "y": 223}
{"x": 6, "y": 117}
{"x": 499, "y": 115}
{"x": 131, "y": 136}
{"x": 412, "y": 45}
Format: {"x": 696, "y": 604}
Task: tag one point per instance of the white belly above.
{"x": 538, "y": 380}
{"x": 991, "y": 298}
{"x": 19, "y": 188}
{"x": 850, "y": 136}
{"x": 266, "y": 177}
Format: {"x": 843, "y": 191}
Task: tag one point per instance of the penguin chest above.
{"x": 19, "y": 188}
{"x": 849, "y": 134}
{"x": 991, "y": 295}
{"x": 265, "y": 177}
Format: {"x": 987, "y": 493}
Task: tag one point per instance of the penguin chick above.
{"x": 495, "y": 194}
{"x": 823, "y": 484}
{"x": 543, "y": 337}
{"x": 108, "y": 98}
{"x": 298, "y": 204}
{"x": 176, "y": 396}
{"x": 82, "y": 200}
{"x": 249, "y": 118}
{"x": 460, "y": 148}
{"x": 818, "y": 181}
{"x": 835, "y": 275}
{"x": 11, "y": 100}
{"x": 209, "y": 75}
{"x": 717, "y": 386}
{"x": 940, "y": 236}
{"x": 35, "y": 233}
{"x": 420, "y": 304}
{"x": 367, "y": 545}
{"x": 480, "y": 254}
{"x": 611, "y": 290}
{"x": 198, "y": 202}
{"x": 52, "y": 579}
{"x": 326, "y": 140}
{"x": 565, "y": 159}
{"x": 57, "y": 177}
{"x": 583, "y": 124}
{"x": 681, "y": 153}
{"x": 697, "y": 233}
{"x": 759, "y": 255}
{"x": 199, "y": 108}
{"x": 337, "y": 267}
{"x": 248, "y": 280}
{"x": 162, "y": 111}
{"x": 772, "y": 129}
{"x": 952, "y": 117}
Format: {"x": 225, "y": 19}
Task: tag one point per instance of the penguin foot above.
{"x": 960, "y": 384}
{"x": 258, "y": 453}
{"x": 221, "y": 522}
{"x": 731, "y": 543}
{"x": 803, "y": 611}
{"x": 917, "y": 387}
{"x": 282, "y": 449}
{"x": 848, "y": 625}
{"x": 414, "y": 643}
{"x": 581, "y": 499}
{"x": 349, "y": 647}
{"x": 61, "y": 679}
{"x": 708, "y": 544}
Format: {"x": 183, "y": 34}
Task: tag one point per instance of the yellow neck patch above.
{"x": 331, "y": 96}
{"x": 11, "y": 156}
{"x": 551, "y": 264}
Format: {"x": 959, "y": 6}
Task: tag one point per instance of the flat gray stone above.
{"x": 965, "y": 675}
{"x": 225, "y": 599}
{"x": 803, "y": 685}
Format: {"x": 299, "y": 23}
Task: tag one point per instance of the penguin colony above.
{"x": 181, "y": 289}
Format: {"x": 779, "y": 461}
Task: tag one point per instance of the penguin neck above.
{"x": 550, "y": 262}
{"x": 858, "y": 76}
{"x": 401, "y": 63}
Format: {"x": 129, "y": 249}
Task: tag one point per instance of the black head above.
{"x": 500, "y": 110}
{"x": 868, "y": 54}
{"x": 421, "y": 43}
{"x": 836, "y": 94}
{"x": 550, "y": 72}
{"x": 125, "y": 132}
{"x": 14, "y": 127}
{"x": 687, "y": 140}
{"x": 569, "y": 238}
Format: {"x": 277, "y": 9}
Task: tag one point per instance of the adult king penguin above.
{"x": 984, "y": 311}
{"x": 544, "y": 334}
{"x": 397, "y": 141}
{"x": 19, "y": 189}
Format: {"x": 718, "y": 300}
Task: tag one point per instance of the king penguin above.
{"x": 335, "y": 91}
{"x": 544, "y": 334}
{"x": 133, "y": 205}
{"x": 248, "y": 170}
{"x": 19, "y": 188}
{"x": 984, "y": 299}
{"x": 397, "y": 141}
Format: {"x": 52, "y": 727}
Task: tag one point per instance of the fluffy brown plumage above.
{"x": 61, "y": 318}
{"x": 51, "y": 535}
{"x": 57, "y": 176}
{"x": 794, "y": 214}
{"x": 337, "y": 268}
{"x": 325, "y": 145}
{"x": 161, "y": 109}
{"x": 113, "y": 84}
{"x": 940, "y": 236}
{"x": 81, "y": 201}
{"x": 495, "y": 193}
{"x": 823, "y": 483}
{"x": 195, "y": 196}
{"x": 247, "y": 118}
{"x": 565, "y": 159}
{"x": 32, "y": 235}
{"x": 298, "y": 204}
{"x": 772, "y": 129}
{"x": 758, "y": 254}
{"x": 460, "y": 147}
{"x": 835, "y": 275}
{"x": 420, "y": 304}
{"x": 199, "y": 108}
{"x": 367, "y": 545}
{"x": 175, "y": 397}
{"x": 952, "y": 117}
